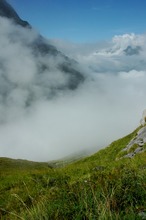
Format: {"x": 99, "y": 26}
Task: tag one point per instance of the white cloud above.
{"x": 106, "y": 106}
{"x": 133, "y": 74}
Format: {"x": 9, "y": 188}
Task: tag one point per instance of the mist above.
{"x": 40, "y": 123}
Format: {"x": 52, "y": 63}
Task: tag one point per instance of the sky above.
{"x": 83, "y": 20}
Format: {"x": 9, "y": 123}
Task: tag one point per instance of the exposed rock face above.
{"x": 140, "y": 139}
{"x": 138, "y": 143}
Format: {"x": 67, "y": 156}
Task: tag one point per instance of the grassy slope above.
{"x": 96, "y": 187}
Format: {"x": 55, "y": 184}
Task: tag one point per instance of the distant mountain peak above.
{"x": 132, "y": 50}
{"x": 6, "y": 10}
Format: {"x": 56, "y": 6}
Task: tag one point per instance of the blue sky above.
{"x": 83, "y": 20}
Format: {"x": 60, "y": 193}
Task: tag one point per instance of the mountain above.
{"x": 42, "y": 50}
{"x": 7, "y": 11}
{"x": 117, "y": 50}
{"x": 123, "y": 54}
{"x": 132, "y": 50}
{"x": 121, "y": 45}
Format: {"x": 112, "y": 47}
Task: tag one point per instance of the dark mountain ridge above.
{"x": 7, "y": 11}
{"x": 41, "y": 47}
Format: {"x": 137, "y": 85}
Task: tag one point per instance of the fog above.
{"x": 35, "y": 125}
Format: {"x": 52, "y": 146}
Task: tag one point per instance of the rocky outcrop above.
{"x": 138, "y": 143}
{"x": 135, "y": 146}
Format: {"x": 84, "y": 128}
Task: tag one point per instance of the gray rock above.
{"x": 140, "y": 144}
{"x": 138, "y": 150}
{"x": 140, "y": 139}
{"x": 142, "y": 132}
{"x": 125, "y": 149}
{"x": 130, "y": 155}
{"x": 131, "y": 143}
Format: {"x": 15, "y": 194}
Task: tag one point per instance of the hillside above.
{"x": 106, "y": 185}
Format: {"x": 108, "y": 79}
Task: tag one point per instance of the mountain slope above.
{"x": 101, "y": 186}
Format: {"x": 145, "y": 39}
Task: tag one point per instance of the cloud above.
{"x": 36, "y": 125}
{"x": 132, "y": 74}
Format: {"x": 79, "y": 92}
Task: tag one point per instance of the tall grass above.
{"x": 97, "y": 187}
{"x": 118, "y": 194}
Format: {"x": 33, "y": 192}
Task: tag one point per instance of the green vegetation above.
{"x": 101, "y": 186}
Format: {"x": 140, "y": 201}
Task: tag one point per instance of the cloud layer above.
{"x": 38, "y": 126}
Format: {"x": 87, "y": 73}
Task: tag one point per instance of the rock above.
{"x": 140, "y": 144}
{"x": 125, "y": 149}
{"x": 138, "y": 141}
{"x": 131, "y": 143}
{"x": 130, "y": 155}
{"x": 142, "y": 132}
{"x": 138, "y": 150}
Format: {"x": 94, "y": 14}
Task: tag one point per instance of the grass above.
{"x": 101, "y": 186}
